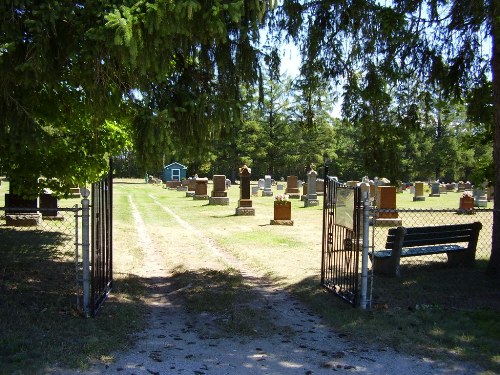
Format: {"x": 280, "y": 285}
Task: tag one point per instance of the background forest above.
{"x": 283, "y": 132}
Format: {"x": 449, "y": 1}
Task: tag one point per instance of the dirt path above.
{"x": 297, "y": 342}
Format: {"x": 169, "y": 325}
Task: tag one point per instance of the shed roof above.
{"x": 174, "y": 164}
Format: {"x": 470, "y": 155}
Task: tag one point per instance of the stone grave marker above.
{"x": 245, "y": 202}
{"x": 387, "y": 201}
{"x": 312, "y": 197}
{"x": 261, "y": 184}
{"x": 201, "y": 189}
{"x": 320, "y": 186}
{"x": 419, "y": 191}
{"x": 219, "y": 193}
{"x": 292, "y": 189}
{"x": 26, "y": 215}
{"x": 435, "y": 190}
{"x": 480, "y": 198}
{"x": 48, "y": 206}
{"x": 268, "y": 190}
{"x": 191, "y": 187}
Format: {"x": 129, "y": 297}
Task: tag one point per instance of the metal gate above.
{"x": 101, "y": 259}
{"x": 342, "y": 219}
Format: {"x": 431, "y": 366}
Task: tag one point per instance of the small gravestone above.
{"x": 261, "y": 184}
{"x": 48, "y": 207}
{"x": 304, "y": 191}
{"x": 21, "y": 212}
{"x": 191, "y": 187}
{"x": 387, "y": 201}
{"x": 292, "y": 189}
{"x": 480, "y": 198}
{"x": 201, "y": 189}
{"x": 320, "y": 186}
{"x": 219, "y": 194}
{"x": 435, "y": 190}
{"x": 245, "y": 202}
{"x": 184, "y": 186}
{"x": 419, "y": 192}
{"x": 279, "y": 187}
{"x": 312, "y": 197}
{"x": 255, "y": 191}
{"x": 268, "y": 191}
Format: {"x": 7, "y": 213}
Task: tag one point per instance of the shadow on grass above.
{"x": 444, "y": 313}
{"x": 39, "y": 320}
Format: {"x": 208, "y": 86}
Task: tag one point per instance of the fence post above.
{"x": 366, "y": 246}
{"x": 86, "y": 250}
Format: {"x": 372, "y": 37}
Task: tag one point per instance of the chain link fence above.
{"x": 427, "y": 280}
{"x": 40, "y": 264}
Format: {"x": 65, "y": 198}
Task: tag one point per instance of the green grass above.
{"x": 37, "y": 283}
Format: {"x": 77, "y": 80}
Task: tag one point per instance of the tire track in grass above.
{"x": 153, "y": 261}
{"x": 223, "y": 256}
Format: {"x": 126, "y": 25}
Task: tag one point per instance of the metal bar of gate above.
{"x": 341, "y": 240}
{"x": 102, "y": 258}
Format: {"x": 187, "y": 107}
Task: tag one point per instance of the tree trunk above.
{"x": 494, "y": 263}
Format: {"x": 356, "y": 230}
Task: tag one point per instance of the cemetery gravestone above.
{"x": 191, "y": 187}
{"x": 49, "y": 206}
{"x": 261, "y": 184}
{"x": 387, "y": 201}
{"x": 245, "y": 203}
{"x": 419, "y": 192}
{"x": 303, "y": 197}
{"x": 201, "y": 189}
{"x": 21, "y": 212}
{"x": 219, "y": 194}
{"x": 480, "y": 198}
{"x": 255, "y": 190}
{"x": 268, "y": 191}
{"x": 312, "y": 197}
{"x": 320, "y": 186}
{"x": 292, "y": 189}
{"x": 435, "y": 190}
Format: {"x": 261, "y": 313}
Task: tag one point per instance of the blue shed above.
{"x": 174, "y": 172}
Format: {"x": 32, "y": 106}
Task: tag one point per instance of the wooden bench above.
{"x": 408, "y": 242}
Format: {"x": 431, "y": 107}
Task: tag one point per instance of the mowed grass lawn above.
{"x": 289, "y": 255}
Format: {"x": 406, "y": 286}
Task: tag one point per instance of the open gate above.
{"x": 101, "y": 259}
{"x": 342, "y": 219}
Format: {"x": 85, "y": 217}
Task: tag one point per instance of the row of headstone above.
{"x": 24, "y": 212}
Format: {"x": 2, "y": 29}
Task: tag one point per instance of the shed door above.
{"x": 176, "y": 174}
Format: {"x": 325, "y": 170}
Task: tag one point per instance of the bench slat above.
{"x": 422, "y": 236}
{"x": 424, "y": 250}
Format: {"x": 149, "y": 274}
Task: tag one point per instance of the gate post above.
{"x": 364, "y": 258}
{"x": 86, "y": 250}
